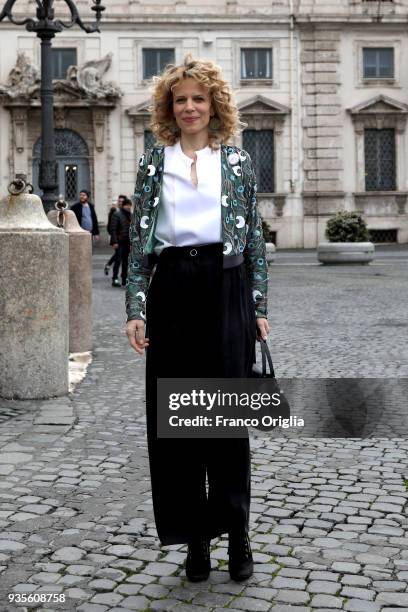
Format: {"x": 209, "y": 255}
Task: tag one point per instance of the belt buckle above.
{"x": 193, "y": 252}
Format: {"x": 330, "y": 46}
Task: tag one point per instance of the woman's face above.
{"x": 191, "y": 106}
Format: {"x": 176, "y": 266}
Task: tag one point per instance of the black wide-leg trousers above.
{"x": 200, "y": 324}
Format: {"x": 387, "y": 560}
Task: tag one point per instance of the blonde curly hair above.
{"x": 225, "y": 123}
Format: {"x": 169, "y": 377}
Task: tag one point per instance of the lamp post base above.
{"x": 48, "y": 182}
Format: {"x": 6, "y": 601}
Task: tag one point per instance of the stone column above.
{"x": 322, "y": 128}
{"x": 80, "y": 282}
{"x": 322, "y": 123}
{"x": 33, "y": 301}
{"x": 101, "y": 166}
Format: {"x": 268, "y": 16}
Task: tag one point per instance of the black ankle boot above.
{"x": 240, "y": 565}
{"x": 198, "y": 564}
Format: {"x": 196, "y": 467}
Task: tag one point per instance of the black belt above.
{"x": 191, "y": 252}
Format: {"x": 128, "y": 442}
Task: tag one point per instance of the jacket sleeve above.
{"x": 95, "y": 225}
{"x": 138, "y": 277}
{"x": 255, "y": 251}
{"x": 76, "y": 209}
{"x": 109, "y": 225}
{"x": 114, "y": 227}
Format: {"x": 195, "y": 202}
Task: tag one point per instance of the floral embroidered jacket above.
{"x": 241, "y": 225}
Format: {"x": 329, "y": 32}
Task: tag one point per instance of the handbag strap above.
{"x": 266, "y": 355}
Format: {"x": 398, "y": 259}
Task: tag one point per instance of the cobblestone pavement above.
{"x": 328, "y": 523}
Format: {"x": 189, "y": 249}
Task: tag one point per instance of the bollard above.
{"x": 80, "y": 278}
{"x": 33, "y": 299}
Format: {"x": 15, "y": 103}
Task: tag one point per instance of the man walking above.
{"x": 121, "y": 241}
{"x": 116, "y": 204}
{"x": 86, "y": 215}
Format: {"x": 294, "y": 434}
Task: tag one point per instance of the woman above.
{"x": 196, "y": 217}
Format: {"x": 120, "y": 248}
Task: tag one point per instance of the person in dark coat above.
{"x": 120, "y": 241}
{"x": 115, "y": 206}
{"x": 86, "y": 215}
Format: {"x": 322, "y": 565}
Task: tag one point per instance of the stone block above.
{"x": 321, "y": 67}
{"x": 307, "y": 77}
{"x": 327, "y": 185}
{"x": 310, "y": 164}
{"x": 320, "y": 109}
{"x": 310, "y": 185}
{"x": 330, "y": 121}
{"x": 320, "y": 88}
{"x": 327, "y": 142}
{"x": 309, "y": 122}
{"x": 307, "y": 56}
{"x": 307, "y": 36}
{"x": 327, "y": 56}
{"x": 327, "y": 77}
{"x": 311, "y": 143}
{"x": 326, "y": 45}
{"x": 310, "y": 111}
{"x": 330, "y": 164}
{"x": 323, "y": 131}
{"x": 327, "y": 109}
{"x": 321, "y": 185}
{"x": 33, "y": 302}
{"x": 327, "y": 99}
{"x": 323, "y": 174}
{"x": 327, "y": 33}
{"x": 323, "y": 153}
{"x": 308, "y": 100}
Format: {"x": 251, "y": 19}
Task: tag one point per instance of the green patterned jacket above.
{"x": 241, "y": 225}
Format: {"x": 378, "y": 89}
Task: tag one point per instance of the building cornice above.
{"x": 240, "y": 22}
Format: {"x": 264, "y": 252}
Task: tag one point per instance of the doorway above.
{"x": 73, "y": 164}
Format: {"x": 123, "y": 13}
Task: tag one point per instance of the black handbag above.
{"x": 269, "y": 384}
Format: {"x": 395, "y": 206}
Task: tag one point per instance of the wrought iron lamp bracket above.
{"x": 8, "y": 12}
{"x": 45, "y": 17}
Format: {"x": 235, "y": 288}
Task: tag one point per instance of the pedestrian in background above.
{"x": 120, "y": 241}
{"x": 115, "y": 206}
{"x": 196, "y": 218}
{"x": 86, "y": 215}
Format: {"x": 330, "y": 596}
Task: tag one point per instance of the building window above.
{"x": 61, "y": 60}
{"x": 260, "y": 146}
{"x": 71, "y": 181}
{"x": 378, "y": 62}
{"x": 149, "y": 140}
{"x": 384, "y": 236}
{"x": 155, "y": 60}
{"x": 379, "y": 152}
{"x": 256, "y": 63}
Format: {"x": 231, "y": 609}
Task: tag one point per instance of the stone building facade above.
{"x": 320, "y": 85}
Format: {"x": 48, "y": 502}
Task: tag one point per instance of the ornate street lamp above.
{"x": 46, "y": 26}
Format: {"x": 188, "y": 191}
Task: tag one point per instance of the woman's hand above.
{"x": 262, "y": 329}
{"x": 135, "y": 331}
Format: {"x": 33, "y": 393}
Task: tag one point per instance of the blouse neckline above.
{"x": 200, "y": 152}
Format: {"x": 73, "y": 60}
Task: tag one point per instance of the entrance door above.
{"x": 73, "y": 165}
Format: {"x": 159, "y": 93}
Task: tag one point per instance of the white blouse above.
{"x": 188, "y": 214}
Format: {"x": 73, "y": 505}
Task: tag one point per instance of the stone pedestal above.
{"x": 80, "y": 282}
{"x": 345, "y": 252}
{"x": 33, "y": 301}
{"x": 270, "y": 252}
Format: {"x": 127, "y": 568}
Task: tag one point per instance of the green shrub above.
{"x": 347, "y": 227}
